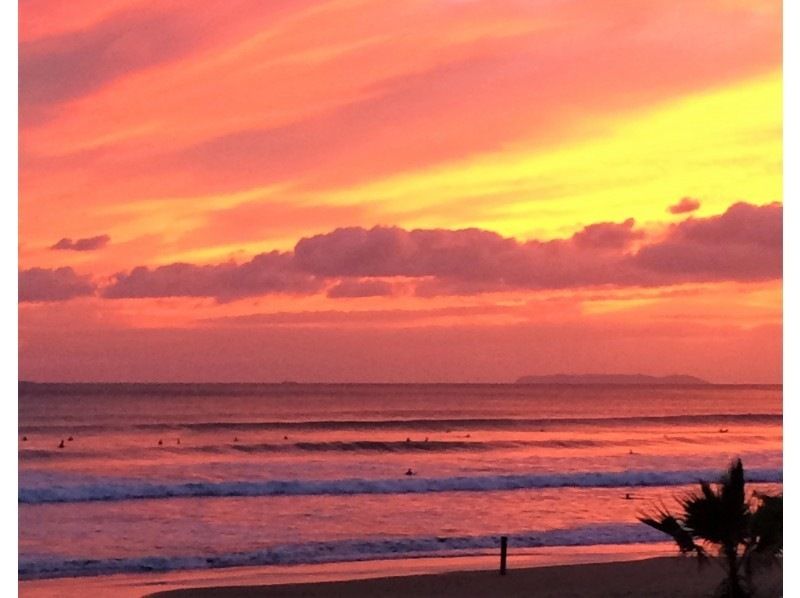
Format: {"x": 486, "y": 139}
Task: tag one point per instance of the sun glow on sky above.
{"x": 218, "y": 136}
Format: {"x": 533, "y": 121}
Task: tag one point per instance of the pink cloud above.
{"x": 686, "y": 204}
{"x": 350, "y": 287}
{"x": 79, "y": 60}
{"x": 359, "y": 317}
{"x": 88, "y": 244}
{"x": 60, "y": 68}
{"x": 608, "y": 235}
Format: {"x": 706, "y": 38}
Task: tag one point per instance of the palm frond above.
{"x": 665, "y": 522}
{"x": 766, "y": 526}
{"x": 720, "y": 515}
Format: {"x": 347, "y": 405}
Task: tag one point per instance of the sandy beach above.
{"x": 660, "y": 578}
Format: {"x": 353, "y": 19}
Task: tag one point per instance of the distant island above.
{"x": 631, "y": 379}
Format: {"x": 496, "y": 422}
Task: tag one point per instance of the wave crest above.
{"x": 341, "y": 551}
{"x": 138, "y": 490}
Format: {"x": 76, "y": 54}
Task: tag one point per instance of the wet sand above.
{"x": 671, "y": 577}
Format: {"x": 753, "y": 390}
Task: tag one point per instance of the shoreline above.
{"x": 136, "y": 585}
{"x": 615, "y": 570}
{"x": 662, "y": 577}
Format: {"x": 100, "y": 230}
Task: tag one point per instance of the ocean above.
{"x": 170, "y": 478}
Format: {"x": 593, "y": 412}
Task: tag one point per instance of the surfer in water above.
{"x": 410, "y": 472}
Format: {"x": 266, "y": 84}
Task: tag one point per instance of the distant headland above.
{"x": 631, "y": 379}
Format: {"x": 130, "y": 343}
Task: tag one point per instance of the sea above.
{"x": 165, "y": 479}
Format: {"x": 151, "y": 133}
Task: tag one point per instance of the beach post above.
{"x": 503, "y": 553}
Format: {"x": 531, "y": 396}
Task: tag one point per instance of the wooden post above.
{"x": 503, "y": 552}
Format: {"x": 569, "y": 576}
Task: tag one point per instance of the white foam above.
{"x": 340, "y": 551}
{"x": 115, "y": 490}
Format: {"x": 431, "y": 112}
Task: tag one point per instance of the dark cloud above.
{"x": 743, "y": 244}
{"x": 88, "y": 244}
{"x": 392, "y": 251}
{"x": 45, "y": 284}
{"x": 686, "y": 204}
{"x": 266, "y": 273}
{"x": 360, "y": 288}
{"x": 472, "y": 260}
{"x": 742, "y": 223}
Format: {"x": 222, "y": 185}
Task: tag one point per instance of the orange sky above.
{"x": 451, "y": 190}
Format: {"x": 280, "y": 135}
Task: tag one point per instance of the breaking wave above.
{"x": 424, "y": 424}
{"x": 119, "y": 490}
{"x": 340, "y": 551}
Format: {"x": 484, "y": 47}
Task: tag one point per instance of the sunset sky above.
{"x": 369, "y": 190}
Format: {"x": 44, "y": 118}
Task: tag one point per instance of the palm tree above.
{"x": 747, "y": 533}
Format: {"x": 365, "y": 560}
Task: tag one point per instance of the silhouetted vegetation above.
{"x": 745, "y": 534}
